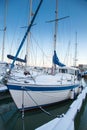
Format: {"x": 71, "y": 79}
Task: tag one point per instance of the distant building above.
{"x": 83, "y": 67}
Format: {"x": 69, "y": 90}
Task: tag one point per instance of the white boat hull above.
{"x": 33, "y": 97}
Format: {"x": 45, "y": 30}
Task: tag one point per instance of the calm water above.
{"x": 11, "y": 118}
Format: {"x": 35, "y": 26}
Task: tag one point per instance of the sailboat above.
{"x": 42, "y": 89}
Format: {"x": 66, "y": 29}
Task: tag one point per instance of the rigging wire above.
{"x": 16, "y": 28}
{"x": 39, "y": 46}
{"x": 39, "y": 106}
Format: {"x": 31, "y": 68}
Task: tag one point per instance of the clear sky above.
{"x": 42, "y": 34}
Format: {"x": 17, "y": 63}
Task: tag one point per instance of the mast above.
{"x": 75, "y": 58}
{"x": 4, "y": 30}
{"x": 68, "y": 53}
{"x": 55, "y": 32}
{"x": 56, "y": 25}
{"x": 29, "y": 34}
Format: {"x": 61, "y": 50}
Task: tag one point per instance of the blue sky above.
{"x": 41, "y": 45}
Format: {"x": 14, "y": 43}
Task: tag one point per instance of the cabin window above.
{"x": 63, "y": 70}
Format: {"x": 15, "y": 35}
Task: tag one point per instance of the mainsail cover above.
{"x": 18, "y": 59}
{"x": 56, "y": 60}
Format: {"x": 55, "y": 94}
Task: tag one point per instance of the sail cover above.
{"x": 56, "y": 60}
{"x": 18, "y": 59}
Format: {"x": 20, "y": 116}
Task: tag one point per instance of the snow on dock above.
{"x": 3, "y": 88}
{"x": 66, "y": 121}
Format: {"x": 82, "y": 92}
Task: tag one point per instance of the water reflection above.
{"x": 6, "y": 112}
{"x": 10, "y": 117}
{"x": 81, "y": 118}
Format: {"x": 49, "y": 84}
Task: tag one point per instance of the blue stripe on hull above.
{"x": 41, "y": 88}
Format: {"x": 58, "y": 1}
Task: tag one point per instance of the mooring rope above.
{"x": 37, "y": 104}
{"x": 40, "y": 107}
{"x": 23, "y": 109}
